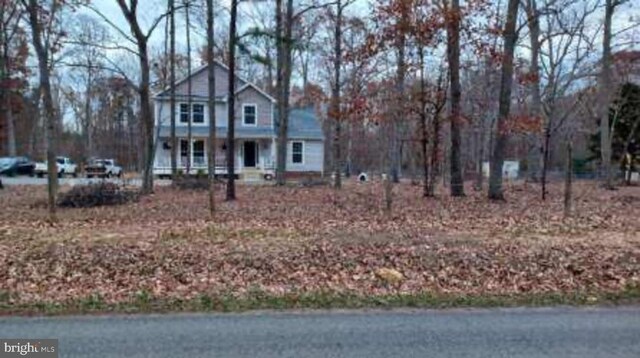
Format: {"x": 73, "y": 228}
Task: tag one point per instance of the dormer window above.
{"x": 249, "y": 114}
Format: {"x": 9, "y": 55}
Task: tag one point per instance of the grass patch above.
{"x": 143, "y": 302}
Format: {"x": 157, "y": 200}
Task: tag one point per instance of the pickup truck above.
{"x": 65, "y": 166}
{"x": 104, "y": 168}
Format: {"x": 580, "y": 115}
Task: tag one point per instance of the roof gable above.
{"x": 200, "y": 83}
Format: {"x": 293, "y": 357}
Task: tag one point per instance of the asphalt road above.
{"x": 549, "y": 332}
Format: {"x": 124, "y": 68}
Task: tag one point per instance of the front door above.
{"x": 250, "y": 150}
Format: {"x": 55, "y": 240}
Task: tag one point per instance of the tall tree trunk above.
{"x": 397, "y": 122}
{"x": 604, "y": 96}
{"x": 189, "y": 91}
{"x": 211, "y": 102}
{"x": 172, "y": 91}
{"x": 286, "y": 72}
{"x": 42, "y": 52}
{"x": 497, "y": 160}
{"x": 86, "y": 130}
{"x": 231, "y": 103}
{"x": 455, "y": 114}
{"x": 335, "y": 99}
{"x": 146, "y": 117}
{"x": 533, "y": 22}
{"x": 281, "y": 152}
{"x": 424, "y": 141}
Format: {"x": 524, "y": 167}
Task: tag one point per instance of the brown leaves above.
{"x": 296, "y": 240}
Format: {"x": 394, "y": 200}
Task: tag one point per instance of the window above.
{"x": 198, "y": 153}
{"x": 184, "y": 152}
{"x": 249, "y": 114}
{"x": 184, "y": 113}
{"x": 297, "y": 150}
{"x": 198, "y": 113}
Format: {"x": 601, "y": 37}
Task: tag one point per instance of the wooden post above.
{"x": 388, "y": 191}
{"x": 568, "y": 179}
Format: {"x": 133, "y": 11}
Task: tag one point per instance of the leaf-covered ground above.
{"x": 300, "y": 240}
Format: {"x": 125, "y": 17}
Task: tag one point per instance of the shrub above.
{"x": 191, "y": 183}
{"x": 99, "y": 194}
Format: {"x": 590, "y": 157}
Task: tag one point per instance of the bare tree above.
{"x": 604, "y": 91}
{"x": 42, "y": 20}
{"x": 140, "y": 39}
{"x": 497, "y": 159}
{"x": 567, "y": 49}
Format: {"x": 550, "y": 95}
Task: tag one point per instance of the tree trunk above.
{"x": 211, "y": 103}
{"x": 281, "y": 152}
{"x": 42, "y": 53}
{"x": 172, "y": 91}
{"x": 497, "y": 160}
{"x": 568, "y": 179}
{"x": 388, "y": 193}
{"x": 86, "y": 130}
{"x": 231, "y": 103}
{"x": 11, "y": 131}
{"x": 189, "y": 92}
{"x": 335, "y": 99}
{"x": 424, "y": 141}
{"x": 455, "y": 114}
{"x": 480, "y": 160}
{"x": 396, "y": 122}
{"x": 533, "y": 22}
{"x": 604, "y": 96}
{"x": 545, "y": 159}
{"x": 146, "y": 117}
{"x": 435, "y": 151}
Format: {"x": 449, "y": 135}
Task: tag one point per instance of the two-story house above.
{"x": 255, "y": 130}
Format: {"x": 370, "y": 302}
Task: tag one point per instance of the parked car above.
{"x": 65, "y": 166}
{"x": 16, "y": 166}
{"x": 104, "y": 168}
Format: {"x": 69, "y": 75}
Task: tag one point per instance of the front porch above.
{"x": 254, "y": 158}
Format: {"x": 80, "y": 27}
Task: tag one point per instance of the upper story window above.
{"x": 249, "y": 114}
{"x": 297, "y": 152}
{"x": 197, "y": 113}
{"x": 184, "y": 113}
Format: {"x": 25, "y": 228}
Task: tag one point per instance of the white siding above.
{"x": 313, "y": 157}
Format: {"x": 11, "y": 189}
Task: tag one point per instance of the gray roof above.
{"x": 303, "y": 124}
